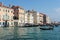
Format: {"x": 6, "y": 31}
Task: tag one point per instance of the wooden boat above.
{"x": 46, "y": 28}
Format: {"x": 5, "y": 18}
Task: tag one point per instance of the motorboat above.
{"x": 46, "y": 27}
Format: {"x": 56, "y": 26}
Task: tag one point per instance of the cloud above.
{"x": 56, "y": 14}
{"x": 57, "y": 10}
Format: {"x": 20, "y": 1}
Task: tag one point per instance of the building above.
{"x": 31, "y": 17}
{"x": 26, "y": 17}
{"x": 34, "y": 16}
{"x": 48, "y": 20}
{"x": 44, "y": 19}
{"x": 18, "y": 16}
{"x": 19, "y": 13}
{"x": 6, "y": 16}
{"x": 21, "y": 16}
{"x": 40, "y": 18}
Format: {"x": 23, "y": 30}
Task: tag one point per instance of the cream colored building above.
{"x": 30, "y": 17}
{"x": 43, "y": 19}
{"x": 6, "y": 16}
{"x": 39, "y": 18}
{"x": 26, "y": 17}
{"x": 19, "y": 14}
{"x": 48, "y": 20}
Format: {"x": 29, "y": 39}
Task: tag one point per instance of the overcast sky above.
{"x": 48, "y": 7}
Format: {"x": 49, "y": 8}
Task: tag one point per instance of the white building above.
{"x": 26, "y": 17}
{"x": 19, "y": 13}
{"x": 21, "y": 17}
{"x": 30, "y": 18}
{"x": 48, "y": 20}
{"x": 39, "y": 18}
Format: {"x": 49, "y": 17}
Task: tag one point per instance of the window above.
{"x": 41, "y": 21}
{"x": 40, "y": 16}
{"x": 8, "y": 10}
{"x": 0, "y": 23}
{"x": 0, "y": 17}
{"x": 0, "y": 9}
{"x": 15, "y": 18}
{"x": 11, "y": 11}
{"x": 11, "y": 23}
{"x": 3, "y": 23}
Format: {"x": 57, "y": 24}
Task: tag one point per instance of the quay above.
{"x": 33, "y": 25}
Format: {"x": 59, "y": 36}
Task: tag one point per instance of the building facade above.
{"x": 40, "y": 18}
{"x": 26, "y": 17}
{"x": 31, "y": 17}
{"x": 19, "y": 14}
{"x": 6, "y": 16}
{"x": 44, "y": 19}
{"x": 48, "y": 20}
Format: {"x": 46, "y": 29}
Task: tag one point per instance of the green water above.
{"x": 29, "y": 33}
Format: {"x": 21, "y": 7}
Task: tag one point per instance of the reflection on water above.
{"x": 29, "y": 33}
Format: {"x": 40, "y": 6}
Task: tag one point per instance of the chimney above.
{"x": 1, "y": 4}
{"x": 10, "y": 5}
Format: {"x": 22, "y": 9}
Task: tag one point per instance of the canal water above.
{"x": 29, "y": 33}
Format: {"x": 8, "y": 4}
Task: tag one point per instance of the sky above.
{"x": 48, "y": 7}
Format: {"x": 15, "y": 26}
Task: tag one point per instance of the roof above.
{"x": 42, "y": 14}
{"x": 16, "y": 7}
{"x": 31, "y": 11}
{"x": 1, "y": 5}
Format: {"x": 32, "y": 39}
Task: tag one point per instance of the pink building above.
{"x": 6, "y": 16}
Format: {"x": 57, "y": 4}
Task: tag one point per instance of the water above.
{"x": 29, "y": 33}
